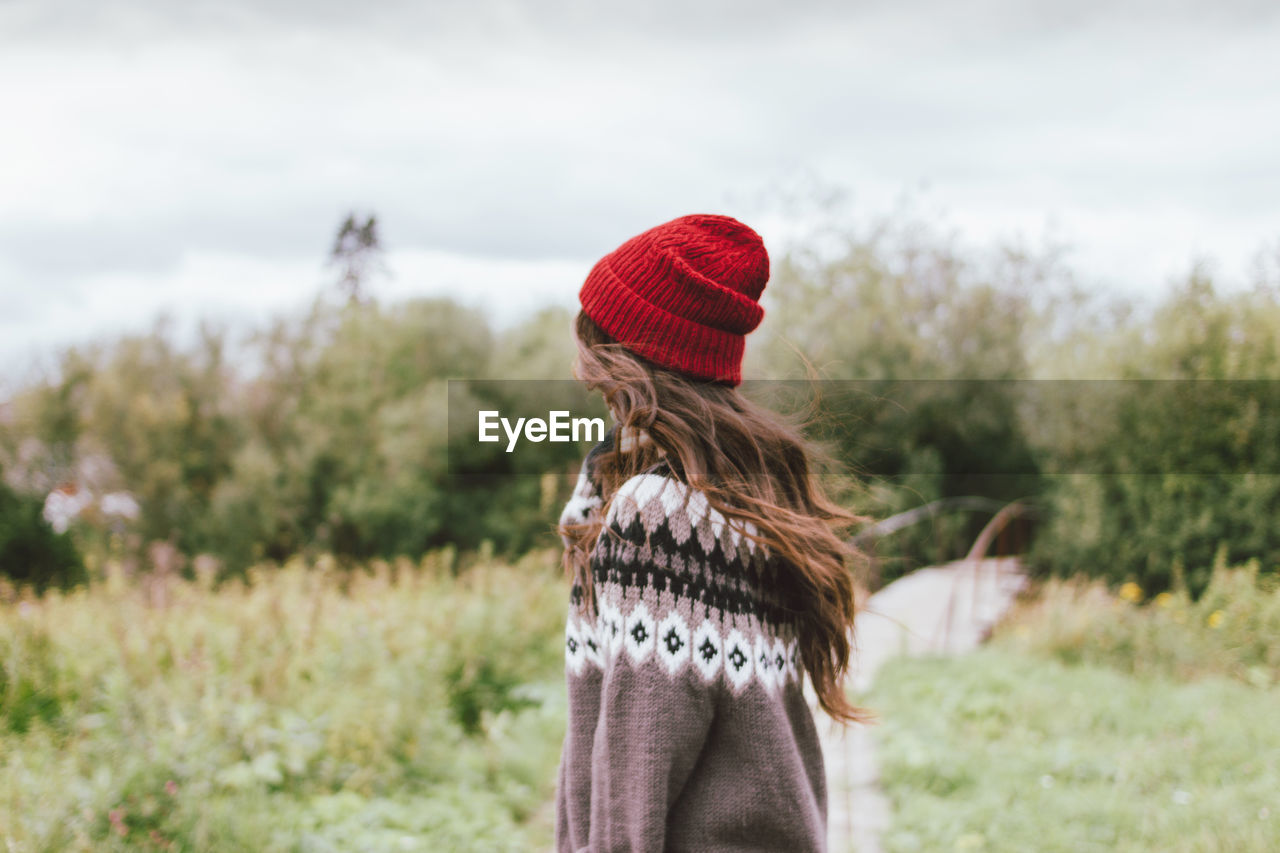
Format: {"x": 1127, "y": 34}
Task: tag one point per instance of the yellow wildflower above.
{"x": 1131, "y": 592}
{"x": 1215, "y": 619}
{"x": 1164, "y": 599}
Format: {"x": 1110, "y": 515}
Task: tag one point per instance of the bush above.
{"x": 1232, "y": 629}
{"x": 1179, "y": 460}
{"x": 31, "y": 553}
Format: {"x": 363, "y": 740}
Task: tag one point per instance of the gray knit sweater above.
{"x": 688, "y": 729}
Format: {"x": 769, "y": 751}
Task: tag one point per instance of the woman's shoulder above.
{"x": 664, "y": 542}
{"x": 658, "y": 510}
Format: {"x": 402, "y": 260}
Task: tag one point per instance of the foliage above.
{"x": 1232, "y": 629}
{"x": 306, "y": 708}
{"x": 1180, "y": 460}
{"x": 899, "y": 322}
{"x": 346, "y": 423}
{"x": 30, "y": 551}
{"x": 143, "y": 413}
{"x": 326, "y": 431}
{"x": 1133, "y": 478}
{"x": 335, "y": 442}
{"x": 1001, "y": 751}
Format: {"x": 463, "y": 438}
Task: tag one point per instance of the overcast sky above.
{"x": 197, "y": 157}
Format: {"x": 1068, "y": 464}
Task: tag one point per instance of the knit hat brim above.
{"x": 656, "y": 334}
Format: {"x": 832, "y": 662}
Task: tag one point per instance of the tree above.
{"x": 357, "y": 252}
{"x": 919, "y": 342}
{"x": 1182, "y": 456}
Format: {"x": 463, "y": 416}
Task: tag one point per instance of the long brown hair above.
{"x": 753, "y": 466}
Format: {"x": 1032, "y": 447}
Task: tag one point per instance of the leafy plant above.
{"x": 31, "y": 552}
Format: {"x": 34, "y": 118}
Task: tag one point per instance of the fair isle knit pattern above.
{"x": 688, "y": 726}
{"x": 665, "y": 597}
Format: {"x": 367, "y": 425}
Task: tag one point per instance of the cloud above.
{"x": 155, "y": 146}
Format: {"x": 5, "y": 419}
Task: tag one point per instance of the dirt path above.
{"x": 944, "y": 610}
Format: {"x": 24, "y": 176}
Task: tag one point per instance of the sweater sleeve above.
{"x": 649, "y": 736}
{"x": 656, "y": 704}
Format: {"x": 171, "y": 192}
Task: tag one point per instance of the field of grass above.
{"x": 1094, "y": 722}
{"x": 313, "y": 709}
{"x": 420, "y": 707}
{"x": 1000, "y": 751}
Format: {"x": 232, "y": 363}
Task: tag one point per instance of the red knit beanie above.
{"x": 683, "y": 295}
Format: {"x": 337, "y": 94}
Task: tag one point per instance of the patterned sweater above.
{"x": 688, "y": 728}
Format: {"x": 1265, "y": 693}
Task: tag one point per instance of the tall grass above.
{"x": 1095, "y": 721}
{"x": 308, "y": 708}
{"x": 1232, "y": 629}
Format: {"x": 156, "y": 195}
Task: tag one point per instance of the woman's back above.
{"x": 689, "y": 728}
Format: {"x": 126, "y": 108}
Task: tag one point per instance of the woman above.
{"x": 709, "y": 578}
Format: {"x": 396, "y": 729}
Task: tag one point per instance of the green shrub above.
{"x": 1179, "y": 460}
{"x": 1231, "y": 629}
{"x": 31, "y": 553}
